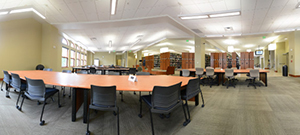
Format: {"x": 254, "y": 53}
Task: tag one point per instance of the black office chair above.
{"x": 82, "y": 72}
{"x": 132, "y": 71}
{"x": 18, "y": 85}
{"x": 142, "y": 73}
{"x": 163, "y": 100}
{"x": 36, "y": 90}
{"x": 39, "y": 67}
{"x": 7, "y": 81}
{"x": 63, "y": 89}
{"x": 103, "y": 98}
{"x": 93, "y": 70}
{"x": 116, "y": 73}
{"x": 48, "y": 69}
{"x": 192, "y": 89}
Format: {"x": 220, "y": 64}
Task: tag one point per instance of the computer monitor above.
{"x": 260, "y": 52}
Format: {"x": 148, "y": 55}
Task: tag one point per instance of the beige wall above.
{"x": 130, "y": 59}
{"x": 90, "y": 58}
{"x": 106, "y": 58}
{"x": 20, "y": 45}
{"x": 280, "y": 58}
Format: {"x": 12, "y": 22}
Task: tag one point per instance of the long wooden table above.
{"x": 81, "y": 84}
{"x": 221, "y": 73}
{"x": 103, "y": 69}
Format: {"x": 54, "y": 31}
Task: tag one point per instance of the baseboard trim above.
{"x": 294, "y": 75}
{"x": 267, "y": 68}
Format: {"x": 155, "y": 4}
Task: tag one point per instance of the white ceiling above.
{"x": 156, "y": 19}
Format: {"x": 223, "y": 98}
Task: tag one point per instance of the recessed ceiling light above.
{"x": 249, "y": 45}
{"x": 230, "y": 41}
{"x": 193, "y": 17}
{"x": 248, "y": 50}
{"x": 110, "y": 43}
{"x": 236, "y": 49}
{"x": 225, "y": 14}
{"x": 113, "y": 6}
{"x": 230, "y": 49}
{"x": 214, "y": 35}
{"x": 298, "y": 5}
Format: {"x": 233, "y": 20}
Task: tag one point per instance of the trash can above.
{"x": 284, "y": 70}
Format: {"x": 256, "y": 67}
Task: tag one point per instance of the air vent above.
{"x": 93, "y": 39}
{"x": 228, "y": 28}
{"x": 197, "y": 30}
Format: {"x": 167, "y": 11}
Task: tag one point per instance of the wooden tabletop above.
{"x": 145, "y": 83}
{"x": 235, "y": 70}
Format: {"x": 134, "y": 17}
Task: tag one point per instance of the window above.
{"x": 85, "y": 60}
{"x": 72, "y": 45}
{"x": 96, "y": 62}
{"x": 65, "y": 56}
{"x": 72, "y": 60}
{"x": 64, "y": 41}
{"x": 77, "y": 47}
{"x": 78, "y": 59}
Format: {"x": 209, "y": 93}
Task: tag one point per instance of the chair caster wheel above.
{"x": 59, "y": 106}
{"x": 64, "y": 95}
{"x": 168, "y": 115}
{"x": 162, "y": 116}
{"x": 42, "y": 123}
{"x": 38, "y": 103}
{"x": 69, "y": 96}
{"x": 122, "y": 100}
{"x": 17, "y": 106}
{"x": 7, "y": 96}
{"x": 203, "y": 105}
{"x": 140, "y": 115}
{"x": 87, "y": 133}
{"x": 115, "y": 113}
{"x": 186, "y": 122}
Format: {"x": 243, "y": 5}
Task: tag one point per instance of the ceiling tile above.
{"x": 147, "y": 3}
{"x": 142, "y": 12}
{"x": 76, "y": 8}
{"x": 248, "y": 4}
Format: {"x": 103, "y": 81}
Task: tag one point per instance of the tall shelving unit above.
{"x": 175, "y": 60}
{"x": 188, "y": 60}
{"x": 157, "y": 61}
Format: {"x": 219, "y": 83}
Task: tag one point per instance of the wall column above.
{"x": 199, "y": 52}
{"x": 294, "y": 56}
{"x": 266, "y": 58}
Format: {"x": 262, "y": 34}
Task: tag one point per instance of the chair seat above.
{"x": 49, "y": 92}
{"x": 103, "y": 107}
{"x": 23, "y": 86}
{"x": 184, "y": 96}
{"x": 147, "y": 99}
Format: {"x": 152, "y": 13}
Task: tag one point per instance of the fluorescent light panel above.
{"x": 110, "y": 43}
{"x": 113, "y": 6}
{"x": 193, "y": 17}
{"x": 225, "y": 14}
{"x": 232, "y": 35}
{"x": 3, "y": 12}
{"x": 27, "y": 10}
{"x": 288, "y": 30}
{"x": 248, "y": 50}
{"x": 230, "y": 49}
{"x": 214, "y": 35}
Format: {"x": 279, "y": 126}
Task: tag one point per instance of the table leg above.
{"x": 74, "y": 96}
{"x": 180, "y": 74}
{"x": 197, "y": 100}
{"x": 77, "y": 101}
{"x": 85, "y": 105}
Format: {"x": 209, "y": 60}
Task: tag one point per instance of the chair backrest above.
{"x": 66, "y": 71}
{"x": 233, "y": 68}
{"x": 6, "y": 77}
{"x": 35, "y": 87}
{"x": 209, "y": 67}
{"x": 185, "y": 72}
{"x": 142, "y": 73}
{"x": 15, "y": 81}
{"x": 132, "y": 71}
{"x": 47, "y": 69}
{"x": 199, "y": 71}
{"x": 218, "y": 68}
{"x": 39, "y": 67}
{"x": 249, "y": 68}
{"x": 170, "y": 70}
{"x": 82, "y": 72}
{"x": 193, "y": 88}
{"x": 165, "y": 97}
{"x": 113, "y": 73}
{"x": 254, "y": 73}
{"x": 228, "y": 72}
{"x": 103, "y": 96}
{"x": 210, "y": 71}
{"x": 93, "y": 70}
